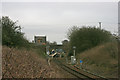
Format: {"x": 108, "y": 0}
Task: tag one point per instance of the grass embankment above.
{"x": 22, "y": 63}
{"x": 101, "y": 60}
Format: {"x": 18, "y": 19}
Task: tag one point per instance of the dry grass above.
{"x": 26, "y": 64}
{"x": 102, "y": 60}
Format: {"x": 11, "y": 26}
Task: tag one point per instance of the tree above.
{"x": 53, "y": 43}
{"x": 71, "y": 31}
{"x": 87, "y": 37}
{"x": 11, "y": 33}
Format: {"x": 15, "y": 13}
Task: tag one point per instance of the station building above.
{"x": 40, "y": 40}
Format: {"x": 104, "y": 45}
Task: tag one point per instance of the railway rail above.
{"x": 73, "y": 70}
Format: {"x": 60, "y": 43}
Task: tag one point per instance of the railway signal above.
{"x": 73, "y": 59}
{"x": 74, "y": 50}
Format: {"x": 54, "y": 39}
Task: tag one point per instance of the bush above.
{"x": 87, "y": 37}
{"x": 11, "y": 34}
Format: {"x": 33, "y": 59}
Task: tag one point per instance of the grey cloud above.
{"x": 54, "y": 19}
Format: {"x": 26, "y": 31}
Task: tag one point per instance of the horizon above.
{"x": 53, "y": 19}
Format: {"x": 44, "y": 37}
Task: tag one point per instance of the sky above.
{"x": 53, "y": 19}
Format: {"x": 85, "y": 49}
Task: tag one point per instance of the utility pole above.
{"x": 119, "y": 30}
{"x": 100, "y": 25}
{"x": 74, "y": 50}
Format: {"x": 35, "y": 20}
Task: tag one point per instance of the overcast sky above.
{"x": 54, "y": 19}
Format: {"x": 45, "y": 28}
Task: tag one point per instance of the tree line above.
{"x": 87, "y": 37}
{"x": 82, "y": 37}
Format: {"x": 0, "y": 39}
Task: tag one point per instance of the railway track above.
{"x": 73, "y": 70}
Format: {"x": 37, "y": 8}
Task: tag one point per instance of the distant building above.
{"x": 64, "y": 42}
{"x": 40, "y": 40}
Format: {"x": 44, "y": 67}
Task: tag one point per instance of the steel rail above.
{"x": 76, "y": 73}
{"x": 72, "y": 71}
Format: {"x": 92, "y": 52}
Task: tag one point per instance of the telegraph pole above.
{"x": 74, "y": 50}
{"x": 119, "y": 30}
{"x": 100, "y": 25}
